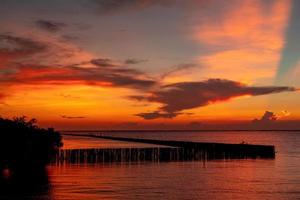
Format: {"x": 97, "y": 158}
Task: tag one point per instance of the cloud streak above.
{"x": 133, "y": 61}
{"x": 97, "y": 76}
{"x": 72, "y": 117}
{"x": 179, "y": 68}
{"x": 156, "y": 114}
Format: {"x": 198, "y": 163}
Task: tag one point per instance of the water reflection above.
{"x": 25, "y": 184}
{"x": 236, "y": 179}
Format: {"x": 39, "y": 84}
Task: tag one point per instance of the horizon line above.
{"x": 180, "y": 130}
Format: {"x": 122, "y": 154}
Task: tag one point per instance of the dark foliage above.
{"x": 25, "y": 145}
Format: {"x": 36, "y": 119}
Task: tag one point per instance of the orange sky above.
{"x": 201, "y": 62}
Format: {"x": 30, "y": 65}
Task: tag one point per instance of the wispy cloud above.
{"x": 105, "y": 7}
{"x": 179, "y": 69}
{"x": 38, "y": 50}
{"x": 49, "y": 25}
{"x": 72, "y": 117}
{"x": 285, "y": 113}
{"x": 19, "y": 46}
{"x": 133, "y": 61}
{"x": 103, "y": 62}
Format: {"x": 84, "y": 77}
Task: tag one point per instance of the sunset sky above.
{"x": 134, "y": 64}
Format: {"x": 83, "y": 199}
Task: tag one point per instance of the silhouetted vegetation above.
{"x": 24, "y": 145}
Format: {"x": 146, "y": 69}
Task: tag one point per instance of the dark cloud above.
{"x": 11, "y": 45}
{"x": 116, "y": 6}
{"x": 156, "y": 114}
{"x": 133, "y": 61}
{"x": 72, "y": 117}
{"x": 103, "y": 62}
{"x": 269, "y": 120}
{"x": 50, "y": 26}
{"x": 266, "y": 118}
{"x": 187, "y": 95}
{"x": 196, "y": 94}
{"x": 138, "y": 98}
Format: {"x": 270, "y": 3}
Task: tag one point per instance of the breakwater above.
{"x": 169, "y": 151}
{"x": 103, "y": 155}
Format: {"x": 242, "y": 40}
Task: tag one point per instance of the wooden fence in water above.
{"x": 170, "y": 151}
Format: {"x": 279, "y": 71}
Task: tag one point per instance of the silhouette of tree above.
{"x": 25, "y": 145}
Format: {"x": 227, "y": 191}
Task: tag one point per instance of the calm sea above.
{"x": 234, "y": 179}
